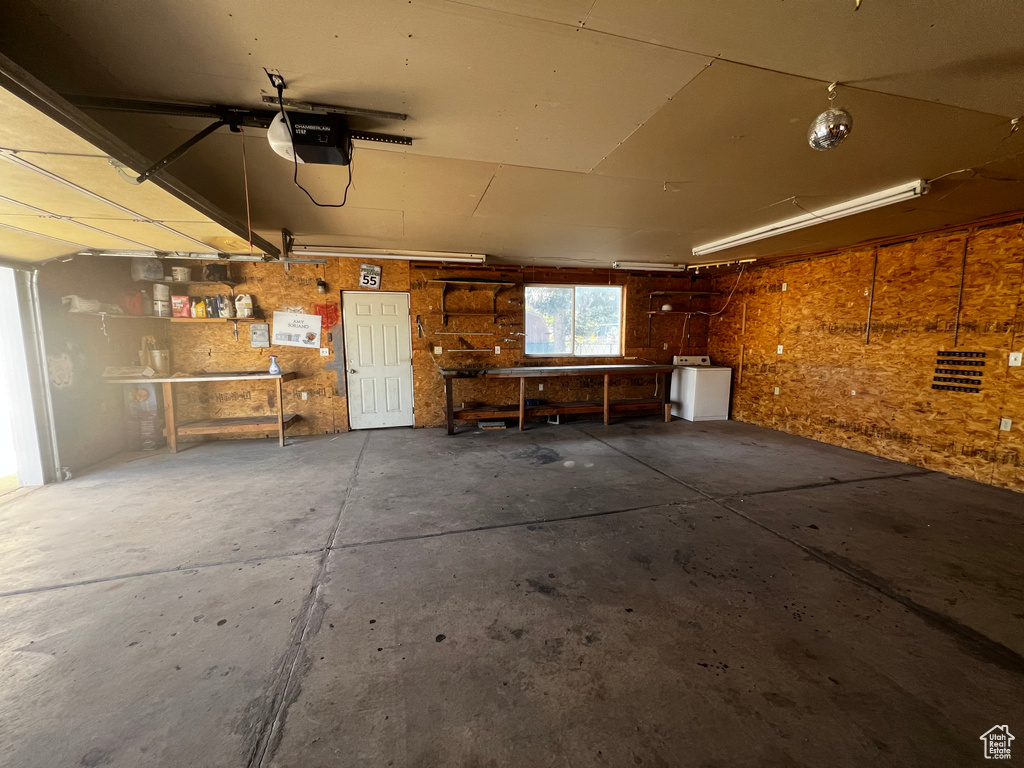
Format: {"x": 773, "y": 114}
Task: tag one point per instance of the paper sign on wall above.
{"x": 369, "y": 276}
{"x": 259, "y": 335}
{"x": 292, "y": 329}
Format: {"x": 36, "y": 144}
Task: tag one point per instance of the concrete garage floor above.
{"x": 644, "y": 594}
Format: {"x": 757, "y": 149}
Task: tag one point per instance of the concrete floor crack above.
{"x": 969, "y": 639}
{"x": 285, "y": 687}
{"x": 158, "y": 572}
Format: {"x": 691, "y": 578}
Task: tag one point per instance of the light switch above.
{"x": 305, "y": 395}
{"x": 785, "y": 286}
{"x": 438, "y": 351}
{"x": 1015, "y": 358}
{"x": 1005, "y": 425}
{"x": 779, "y": 350}
{"x": 777, "y": 390}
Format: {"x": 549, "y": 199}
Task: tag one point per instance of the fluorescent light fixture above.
{"x": 382, "y": 253}
{"x": 849, "y": 208}
{"x": 193, "y": 256}
{"x": 649, "y": 265}
{"x": 721, "y": 264}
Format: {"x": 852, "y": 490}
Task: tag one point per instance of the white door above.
{"x": 378, "y": 356}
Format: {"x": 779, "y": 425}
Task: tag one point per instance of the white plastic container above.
{"x": 181, "y": 274}
{"x": 161, "y": 292}
{"x": 162, "y": 308}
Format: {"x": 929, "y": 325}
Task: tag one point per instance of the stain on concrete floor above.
{"x": 404, "y": 598}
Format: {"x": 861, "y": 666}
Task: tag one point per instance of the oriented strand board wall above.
{"x": 90, "y": 416}
{"x": 655, "y": 341}
{"x": 212, "y": 347}
{"x": 821, "y": 321}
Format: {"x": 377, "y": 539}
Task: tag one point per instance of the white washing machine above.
{"x": 700, "y": 391}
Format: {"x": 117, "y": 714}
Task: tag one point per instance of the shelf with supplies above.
{"x": 227, "y": 283}
{"x": 119, "y": 316}
{"x": 214, "y": 319}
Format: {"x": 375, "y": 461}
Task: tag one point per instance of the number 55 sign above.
{"x": 369, "y": 276}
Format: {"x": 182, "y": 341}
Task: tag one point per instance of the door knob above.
{"x": 351, "y": 370}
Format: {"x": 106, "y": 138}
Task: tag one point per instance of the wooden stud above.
{"x": 449, "y": 407}
{"x": 522, "y": 403}
{"x": 280, "y": 411}
{"x": 607, "y": 400}
{"x": 665, "y": 404}
{"x": 169, "y": 424}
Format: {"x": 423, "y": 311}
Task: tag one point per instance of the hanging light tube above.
{"x": 849, "y": 208}
{"x": 381, "y": 253}
{"x": 648, "y": 265}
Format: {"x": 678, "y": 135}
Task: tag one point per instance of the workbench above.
{"x": 224, "y": 426}
{"x": 607, "y": 407}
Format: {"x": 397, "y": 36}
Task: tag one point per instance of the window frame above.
{"x": 574, "y": 286}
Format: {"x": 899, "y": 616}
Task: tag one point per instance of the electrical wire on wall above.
{"x": 686, "y": 319}
{"x": 278, "y": 82}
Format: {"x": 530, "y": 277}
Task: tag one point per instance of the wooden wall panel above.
{"x": 211, "y": 347}
{"x": 918, "y": 310}
{"x": 655, "y": 341}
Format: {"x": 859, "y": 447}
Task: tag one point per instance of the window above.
{"x": 577, "y": 320}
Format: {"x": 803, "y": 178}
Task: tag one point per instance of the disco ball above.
{"x": 829, "y": 129}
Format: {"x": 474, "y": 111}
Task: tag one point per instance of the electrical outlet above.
{"x": 853, "y": 392}
{"x": 779, "y": 350}
{"x": 1005, "y": 425}
{"x": 305, "y": 395}
{"x": 785, "y": 286}
{"x": 664, "y": 346}
{"x": 497, "y": 349}
{"x": 438, "y": 351}
{"x": 777, "y": 390}
{"x": 540, "y": 387}
{"x": 1016, "y": 359}
{"x": 325, "y": 352}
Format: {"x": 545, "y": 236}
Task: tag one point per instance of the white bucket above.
{"x": 160, "y": 360}
{"x": 181, "y": 274}
{"x": 161, "y": 292}
{"x": 161, "y": 308}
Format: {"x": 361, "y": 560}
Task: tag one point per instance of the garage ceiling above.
{"x": 569, "y": 133}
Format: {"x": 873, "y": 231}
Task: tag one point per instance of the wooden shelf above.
{"x": 234, "y": 425}
{"x": 228, "y": 283}
{"x": 109, "y": 315}
{"x": 467, "y": 314}
{"x": 670, "y": 312}
{"x": 214, "y": 319}
{"x": 555, "y": 409}
{"x": 685, "y": 293}
{"x": 469, "y": 281}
